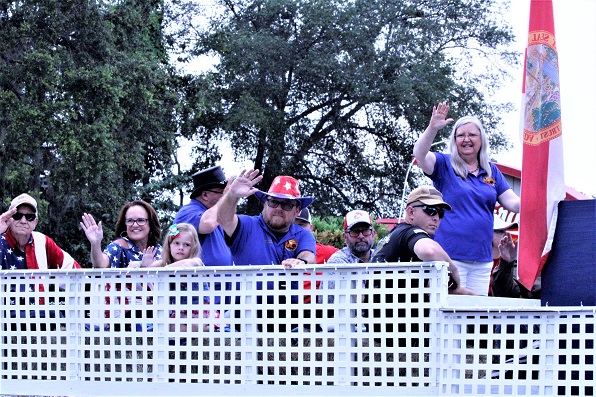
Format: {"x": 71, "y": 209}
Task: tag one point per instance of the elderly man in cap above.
{"x": 271, "y": 237}
{"x": 413, "y": 239}
{"x": 359, "y": 236}
{"x": 201, "y": 212}
{"x": 23, "y": 248}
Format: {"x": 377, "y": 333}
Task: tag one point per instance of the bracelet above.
{"x": 303, "y": 260}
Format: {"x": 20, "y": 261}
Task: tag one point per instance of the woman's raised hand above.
{"x": 439, "y": 118}
{"x": 93, "y": 231}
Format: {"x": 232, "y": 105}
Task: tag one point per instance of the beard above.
{"x": 361, "y": 248}
{"x": 276, "y": 222}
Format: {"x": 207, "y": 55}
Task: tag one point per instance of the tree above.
{"x": 88, "y": 109}
{"x": 335, "y": 92}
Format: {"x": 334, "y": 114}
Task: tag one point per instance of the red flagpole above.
{"x": 543, "y": 185}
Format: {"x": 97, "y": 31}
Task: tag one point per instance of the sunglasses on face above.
{"x": 285, "y": 205}
{"x": 356, "y": 233}
{"x": 19, "y": 215}
{"x": 431, "y": 211}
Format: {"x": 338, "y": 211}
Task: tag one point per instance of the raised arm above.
{"x": 242, "y": 186}
{"x": 209, "y": 221}
{"x": 94, "y": 233}
{"x": 424, "y": 157}
{"x": 5, "y": 219}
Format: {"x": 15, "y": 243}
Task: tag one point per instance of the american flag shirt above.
{"x": 13, "y": 258}
{"x": 121, "y": 257}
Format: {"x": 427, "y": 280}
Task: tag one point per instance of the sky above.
{"x": 575, "y": 34}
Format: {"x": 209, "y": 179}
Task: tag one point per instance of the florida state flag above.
{"x": 543, "y": 184}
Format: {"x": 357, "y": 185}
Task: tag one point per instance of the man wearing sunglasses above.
{"x": 271, "y": 237}
{"x": 23, "y": 248}
{"x": 359, "y": 236}
{"x": 412, "y": 240}
{"x": 201, "y": 211}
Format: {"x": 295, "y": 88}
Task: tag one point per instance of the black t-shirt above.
{"x": 398, "y": 245}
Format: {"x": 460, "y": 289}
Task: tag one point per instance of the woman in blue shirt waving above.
{"x": 472, "y": 185}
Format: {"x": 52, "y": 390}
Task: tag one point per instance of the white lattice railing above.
{"x": 389, "y": 329}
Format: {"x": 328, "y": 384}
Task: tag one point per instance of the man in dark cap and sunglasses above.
{"x": 23, "y": 248}
{"x": 412, "y": 240}
{"x": 201, "y": 212}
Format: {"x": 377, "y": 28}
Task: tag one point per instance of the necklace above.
{"x": 475, "y": 170}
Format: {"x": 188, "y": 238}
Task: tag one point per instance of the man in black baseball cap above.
{"x": 208, "y": 189}
{"x": 210, "y": 179}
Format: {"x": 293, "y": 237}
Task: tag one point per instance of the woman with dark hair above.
{"x": 138, "y": 231}
{"x": 472, "y": 185}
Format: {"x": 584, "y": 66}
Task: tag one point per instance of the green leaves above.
{"x": 89, "y": 109}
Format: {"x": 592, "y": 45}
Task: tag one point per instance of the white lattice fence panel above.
{"x": 374, "y": 330}
{"x": 524, "y": 353}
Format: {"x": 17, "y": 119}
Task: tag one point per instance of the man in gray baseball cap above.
{"x": 21, "y": 247}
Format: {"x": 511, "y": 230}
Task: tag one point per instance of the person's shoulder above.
{"x": 327, "y": 248}
{"x": 251, "y": 219}
{"x": 407, "y": 228}
{"x": 442, "y": 157}
{"x": 188, "y": 211}
{"x": 39, "y": 237}
{"x": 340, "y": 256}
{"x": 251, "y": 223}
{"x": 118, "y": 244}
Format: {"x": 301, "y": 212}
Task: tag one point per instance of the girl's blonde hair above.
{"x": 173, "y": 232}
{"x": 458, "y": 164}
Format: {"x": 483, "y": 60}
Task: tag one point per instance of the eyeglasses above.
{"x": 356, "y": 233}
{"x": 285, "y": 205}
{"x": 213, "y": 191}
{"x": 431, "y": 211}
{"x": 140, "y": 221}
{"x": 464, "y": 136}
{"x": 17, "y": 216}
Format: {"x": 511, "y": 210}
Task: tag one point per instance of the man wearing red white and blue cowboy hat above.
{"x": 271, "y": 237}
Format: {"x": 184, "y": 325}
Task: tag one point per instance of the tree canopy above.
{"x": 335, "y": 92}
{"x": 87, "y": 120}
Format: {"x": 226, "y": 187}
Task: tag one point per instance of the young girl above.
{"x": 181, "y": 248}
